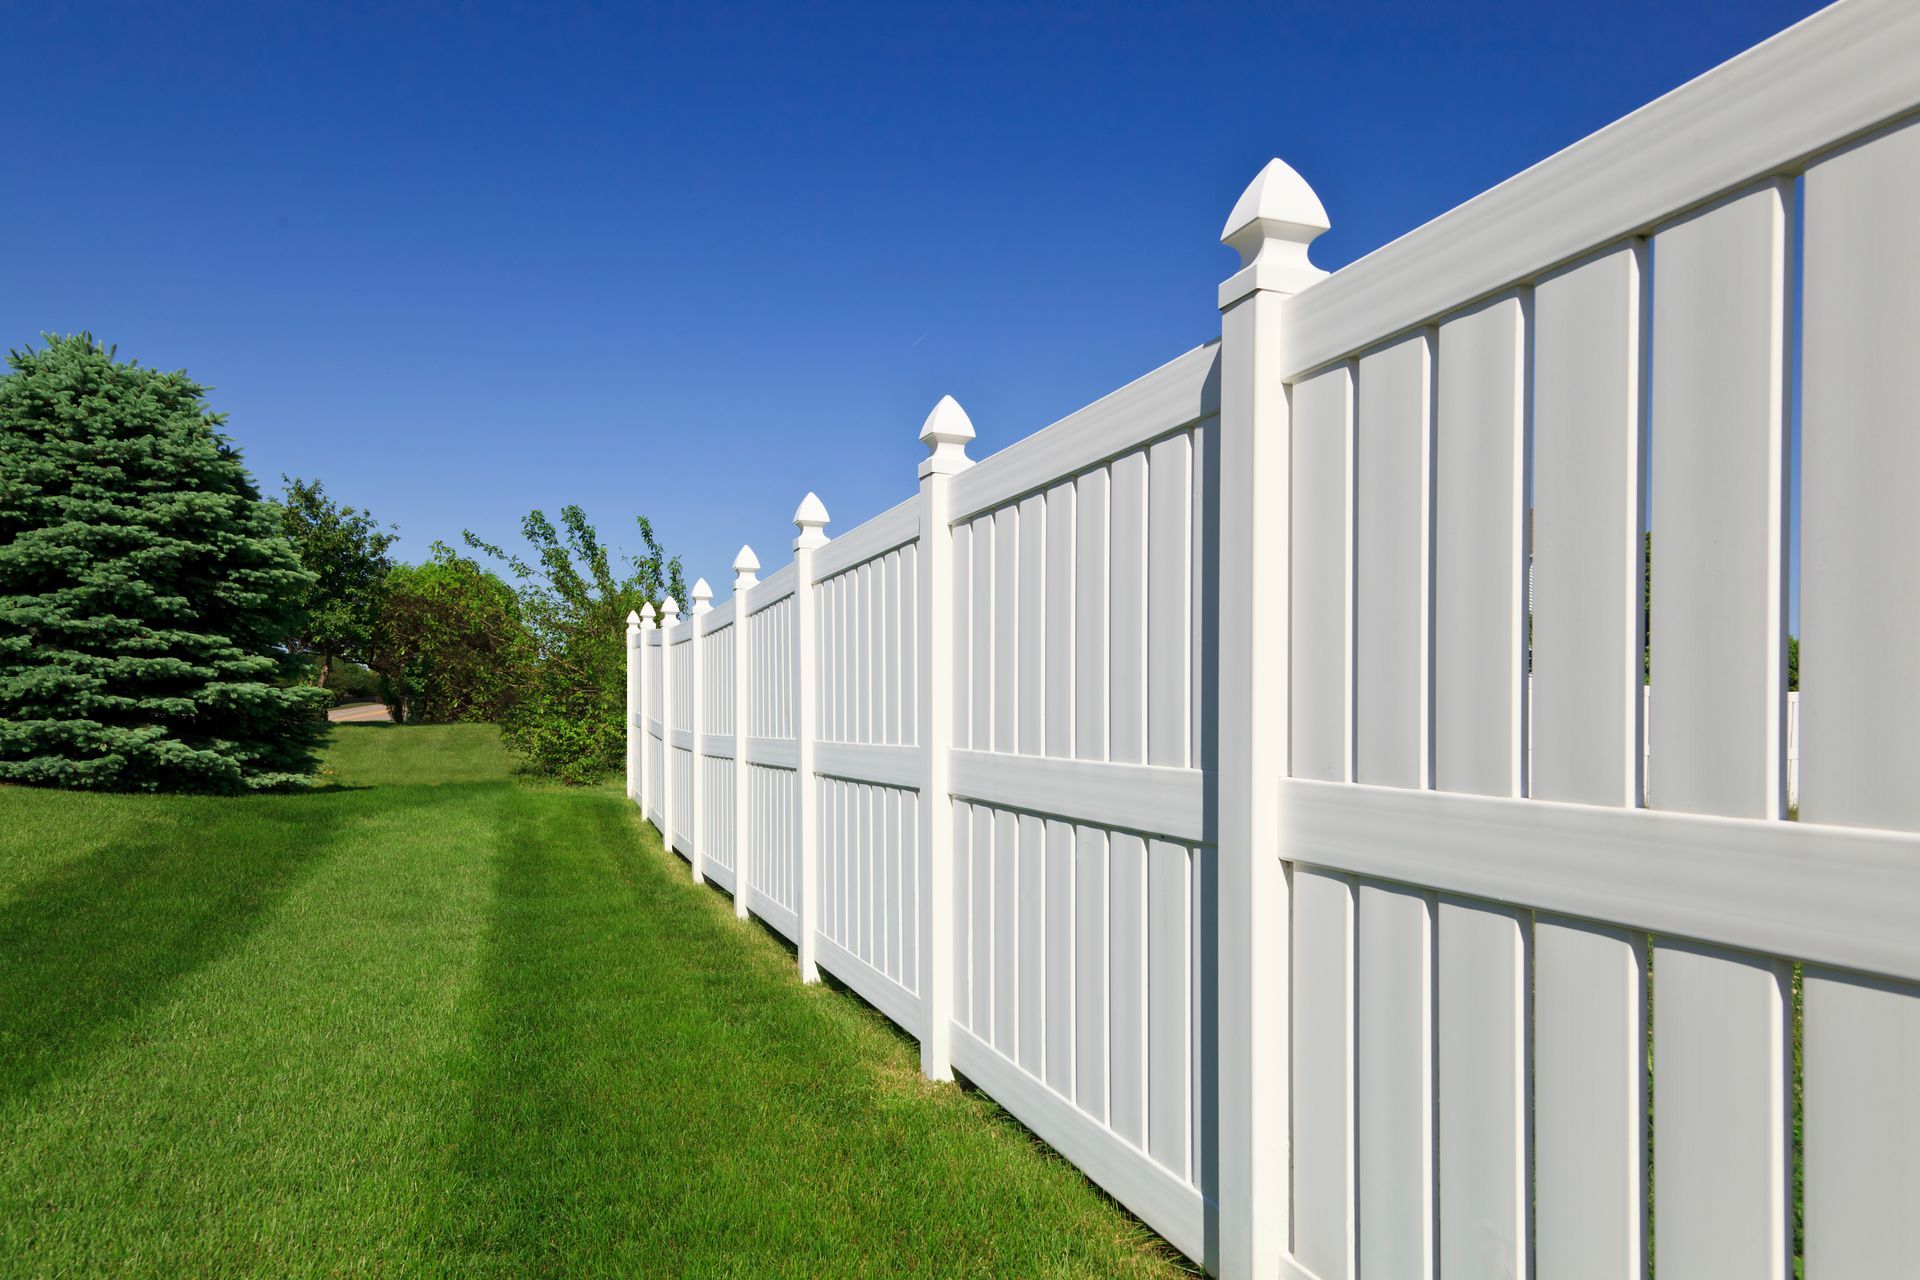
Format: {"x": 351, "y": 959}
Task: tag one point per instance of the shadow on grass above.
{"x": 652, "y": 1092}
{"x": 98, "y": 939}
{"x": 532, "y": 1159}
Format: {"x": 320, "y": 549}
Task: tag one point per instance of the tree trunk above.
{"x": 326, "y": 669}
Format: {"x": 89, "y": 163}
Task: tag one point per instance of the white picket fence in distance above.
{"x": 1175, "y": 775}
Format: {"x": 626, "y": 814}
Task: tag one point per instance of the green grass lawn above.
{"x": 434, "y": 1020}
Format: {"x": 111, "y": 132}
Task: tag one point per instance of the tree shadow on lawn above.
{"x": 95, "y": 941}
{"x": 613, "y": 1081}
{"x": 652, "y": 1092}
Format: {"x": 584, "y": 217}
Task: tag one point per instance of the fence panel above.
{"x": 1260, "y": 781}
{"x": 716, "y": 747}
{"x": 1656, "y": 374}
{"x": 772, "y": 853}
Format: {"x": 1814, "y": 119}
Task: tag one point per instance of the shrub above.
{"x": 144, "y": 588}
{"x": 449, "y": 641}
{"x": 351, "y": 682}
{"x": 570, "y": 721}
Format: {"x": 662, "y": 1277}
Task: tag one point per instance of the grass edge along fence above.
{"x": 1174, "y": 773}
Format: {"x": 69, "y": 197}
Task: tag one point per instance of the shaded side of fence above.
{"x": 1175, "y": 774}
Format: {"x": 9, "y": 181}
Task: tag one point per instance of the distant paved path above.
{"x": 359, "y": 713}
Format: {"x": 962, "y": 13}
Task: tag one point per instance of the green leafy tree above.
{"x": 570, "y": 722}
{"x": 345, "y": 550}
{"x": 450, "y": 643}
{"x": 144, "y": 588}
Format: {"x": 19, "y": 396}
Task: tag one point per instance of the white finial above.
{"x": 945, "y": 434}
{"x": 746, "y": 567}
{"x": 1270, "y": 227}
{"x": 669, "y": 611}
{"x": 646, "y": 616}
{"x": 702, "y": 596}
{"x": 633, "y": 622}
{"x": 810, "y": 519}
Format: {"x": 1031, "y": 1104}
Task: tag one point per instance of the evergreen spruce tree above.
{"x": 144, "y": 588}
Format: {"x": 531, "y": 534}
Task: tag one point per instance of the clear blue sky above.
{"x": 695, "y": 260}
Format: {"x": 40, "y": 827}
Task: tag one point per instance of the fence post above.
{"x": 1271, "y": 226}
{"x": 810, "y": 519}
{"x": 745, "y": 566}
{"x": 635, "y": 730}
{"x": 669, "y": 615}
{"x": 696, "y": 791}
{"x": 946, "y": 433}
{"x": 647, "y": 709}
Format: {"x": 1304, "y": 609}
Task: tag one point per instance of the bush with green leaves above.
{"x": 351, "y": 682}
{"x": 144, "y": 588}
{"x": 449, "y": 642}
{"x": 570, "y": 720}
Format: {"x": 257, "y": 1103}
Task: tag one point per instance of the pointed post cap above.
{"x": 669, "y": 610}
{"x": 702, "y": 596}
{"x": 646, "y": 616}
{"x": 1276, "y": 218}
{"x": 633, "y": 620}
{"x": 746, "y": 568}
{"x": 810, "y": 519}
{"x": 946, "y": 433}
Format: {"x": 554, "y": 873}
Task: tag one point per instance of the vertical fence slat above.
{"x": 1481, "y": 1023}
{"x": 981, "y": 614}
{"x": 918, "y": 903}
{"x": 1060, "y": 957}
{"x": 1321, "y": 646}
{"x": 1586, "y": 531}
{"x": 912, "y": 561}
{"x": 1005, "y": 614}
{"x": 867, "y": 869}
{"x": 1860, "y": 732}
{"x": 1323, "y": 1073}
{"x": 1719, "y": 1113}
{"x": 1718, "y": 455}
{"x": 1479, "y": 569}
{"x": 1127, "y": 985}
{"x": 1031, "y": 622}
{"x": 1127, "y": 565}
{"x": 1169, "y": 599}
{"x": 1169, "y": 1019}
{"x": 980, "y": 926}
{"x": 1862, "y": 1053}
{"x": 870, "y": 587}
{"x": 963, "y": 980}
{"x": 898, "y": 850}
{"x": 1062, "y": 591}
{"x": 1091, "y": 540}
{"x": 1395, "y": 1082}
{"x": 1032, "y": 980}
{"x": 964, "y": 626}
{"x": 1006, "y": 924}
{"x": 1717, "y": 442}
{"x": 1589, "y": 1069}
{"x": 1090, "y": 969}
{"x": 1392, "y": 438}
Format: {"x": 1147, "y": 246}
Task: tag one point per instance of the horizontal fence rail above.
{"x": 1270, "y": 782}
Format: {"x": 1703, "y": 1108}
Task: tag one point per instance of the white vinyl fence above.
{"x": 1174, "y": 774}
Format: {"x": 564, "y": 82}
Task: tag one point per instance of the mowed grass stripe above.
{"x": 438, "y": 1021}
